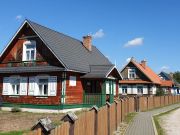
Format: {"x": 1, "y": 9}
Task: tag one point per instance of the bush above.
{"x": 15, "y": 109}
{"x": 160, "y": 92}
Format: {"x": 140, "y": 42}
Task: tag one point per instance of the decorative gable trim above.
{"x": 112, "y": 70}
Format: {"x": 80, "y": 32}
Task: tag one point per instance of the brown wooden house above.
{"x": 138, "y": 79}
{"x": 41, "y": 67}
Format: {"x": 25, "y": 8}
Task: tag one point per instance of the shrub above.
{"x": 160, "y": 92}
{"x": 15, "y": 109}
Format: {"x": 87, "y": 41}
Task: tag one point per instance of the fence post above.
{"x": 39, "y": 131}
{"x": 116, "y": 102}
{"x": 96, "y": 109}
{"x": 108, "y": 119}
{"x": 71, "y": 118}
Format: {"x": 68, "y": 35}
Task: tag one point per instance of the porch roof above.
{"x": 99, "y": 71}
{"x": 30, "y": 69}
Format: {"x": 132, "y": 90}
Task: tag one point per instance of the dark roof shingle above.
{"x": 70, "y": 51}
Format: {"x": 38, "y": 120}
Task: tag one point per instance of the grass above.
{"x": 159, "y": 107}
{"x": 129, "y": 117}
{"x": 123, "y": 126}
{"x": 12, "y": 133}
{"x": 156, "y": 119}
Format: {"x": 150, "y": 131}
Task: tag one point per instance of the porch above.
{"x": 99, "y": 91}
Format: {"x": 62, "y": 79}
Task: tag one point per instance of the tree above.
{"x": 176, "y": 76}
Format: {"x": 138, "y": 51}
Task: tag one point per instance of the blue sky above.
{"x": 144, "y": 29}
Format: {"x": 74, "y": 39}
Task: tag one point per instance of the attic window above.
{"x": 29, "y": 51}
{"x": 131, "y": 73}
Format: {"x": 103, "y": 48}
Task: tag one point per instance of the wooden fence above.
{"x": 106, "y": 120}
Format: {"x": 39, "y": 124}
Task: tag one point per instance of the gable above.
{"x": 114, "y": 73}
{"x": 139, "y": 74}
{"x": 14, "y": 51}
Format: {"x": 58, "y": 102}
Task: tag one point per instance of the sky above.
{"x": 121, "y": 29}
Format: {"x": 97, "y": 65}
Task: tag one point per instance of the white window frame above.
{"x": 141, "y": 91}
{"x": 14, "y": 91}
{"x": 72, "y": 80}
{"x": 38, "y": 83}
{"x": 123, "y": 89}
{"x": 25, "y": 44}
{"x": 130, "y": 73}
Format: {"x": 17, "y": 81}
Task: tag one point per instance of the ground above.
{"x": 123, "y": 125}
{"x": 170, "y": 122}
{"x": 22, "y": 121}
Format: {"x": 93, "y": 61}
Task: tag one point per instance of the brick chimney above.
{"x": 143, "y": 63}
{"x": 87, "y": 42}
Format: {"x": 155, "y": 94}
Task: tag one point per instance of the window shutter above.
{"x": 24, "y": 53}
{"x": 6, "y": 86}
{"x": 23, "y": 86}
{"x": 52, "y": 85}
{"x": 32, "y": 85}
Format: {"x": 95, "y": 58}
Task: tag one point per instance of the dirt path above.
{"x": 171, "y": 123}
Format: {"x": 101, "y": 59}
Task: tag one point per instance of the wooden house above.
{"x": 44, "y": 68}
{"x": 168, "y": 84}
{"x": 138, "y": 79}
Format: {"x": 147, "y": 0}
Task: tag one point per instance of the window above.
{"x": 140, "y": 89}
{"x": 72, "y": 81}
{"x": 131, "y": 73}
{"x": 43, "y": 86}
{"x": 29, "y": 51}
{"x": 15, "y": 83}
{"x": 124, "y": 89}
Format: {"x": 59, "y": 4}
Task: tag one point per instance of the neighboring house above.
{"x": 169, "y": 85}
{"x": 138, "y": 79}
{"x": 44, "y": 67}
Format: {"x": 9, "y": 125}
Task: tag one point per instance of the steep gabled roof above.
{"x": 69, "y": 51}
{"x": 147, "y": 71}
{"x": 165, "y": 75}
{"x": 169, "y": 81}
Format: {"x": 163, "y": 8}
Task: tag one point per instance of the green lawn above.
{"x": 12, "y": 133}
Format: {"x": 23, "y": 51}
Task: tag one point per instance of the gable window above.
{"x": 124, "y": 89}
{"x": 131, "y": 73}
{"x": 15, "y": 84}
{"x": 29, "y": 51}
{"x": 140, "y": 89}
{"x": 72, "y": 81}
{"x": 43, "y": 86}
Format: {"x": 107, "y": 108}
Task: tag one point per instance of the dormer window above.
{"x": 131, "y": 73}
{"x": 29, "y": 51}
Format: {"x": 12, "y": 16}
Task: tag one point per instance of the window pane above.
{"x": 17, "y": 87}
{"x": 30, "y": 46}
{"x": 45, "y": 89}
{"x": 27, "y": 55}
{"x": 32, "y": 55}
{"x": 43, "y": 80}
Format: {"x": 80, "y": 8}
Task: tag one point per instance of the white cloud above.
{"x": 98, "y": 34}
{"x": 128, "y": 59}
{"x": 135, "y": 42}
{"x": 19, "y": 17}
{"x": 165, "y": 68}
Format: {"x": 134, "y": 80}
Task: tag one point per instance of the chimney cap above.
{"x": 144, "y": 60}
{"x": 87, "y": 36}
